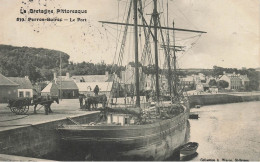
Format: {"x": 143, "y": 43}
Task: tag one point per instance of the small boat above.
{"x": 194, "y": 116}
{"x": 189, "y": 148}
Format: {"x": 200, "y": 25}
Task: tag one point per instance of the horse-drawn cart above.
{"x": 20, "y": 106}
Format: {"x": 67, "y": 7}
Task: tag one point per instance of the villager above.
{"x": 96, "y": 90}
{"x": 81, "y": 100}
{"x": 147, "y": 96}
{"x": 48, "y": 97}
{"x": 132, "y": 98}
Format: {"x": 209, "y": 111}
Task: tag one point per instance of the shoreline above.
{"x": 223, "y": 98}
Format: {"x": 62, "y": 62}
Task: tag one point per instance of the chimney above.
{"x": 67, "y": 75}
{"x": 54, "y": 76}
{"x": 224, "y": 72}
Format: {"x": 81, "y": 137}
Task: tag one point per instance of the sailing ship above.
{"x": 154, "y": 133}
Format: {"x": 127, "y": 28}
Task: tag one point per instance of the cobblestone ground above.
{"x": 66, "y": 108}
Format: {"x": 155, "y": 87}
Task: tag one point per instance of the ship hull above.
{"x": 157, "y": 141}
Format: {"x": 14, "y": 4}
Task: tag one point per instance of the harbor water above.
{"x": 226, "y": 132}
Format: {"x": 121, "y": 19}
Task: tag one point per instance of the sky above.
{"x": 232, "y": 26}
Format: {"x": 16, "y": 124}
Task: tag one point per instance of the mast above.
{"x": 136, "y": 56}
{"x": 155, "y": 27}
{"x": 155, "y": 18}
{"x": 168, "y": 56}
{"x": 174, "y": 64}
{"x": 60, "y": 79}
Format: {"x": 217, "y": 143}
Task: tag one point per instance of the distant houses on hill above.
{"x": 235, "y": 81}
{"x": 202, "y": 82}
{"x": 68, "y": 87}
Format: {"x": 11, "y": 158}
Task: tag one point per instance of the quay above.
{"x": 223, "y": 98}
{"x": 4, "y": 157}
{"x": 35, "y": 135}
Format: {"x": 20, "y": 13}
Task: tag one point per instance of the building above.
{"x": 8, "y": 89}
{"x": 50, "y": 90}
{"x": 66, "y": 89}
{"x": 149, "y": 82}
{"x": 128, "y": 79}
{"x": 87, "y": 88}
{"x": 107, "y": 79}
{"x": 95, "y": 78}
{"x": 244, "y": 81}
{"x": 189, "y": 80}
{"x": 233, "y": 79}
{"x": 201, "y": 87}
{"x": 25, "y": 88}
{"x": 200, "y": 78}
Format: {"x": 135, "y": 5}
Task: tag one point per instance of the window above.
{"x": 21, "y": 94}
{"x": 27, "y": 94}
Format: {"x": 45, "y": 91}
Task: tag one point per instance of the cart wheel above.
{"x": 13, "y": 109}
{"x": 26, "y": 109}
{"x": 19, "y": 110}
{"x": 23, "y": 109}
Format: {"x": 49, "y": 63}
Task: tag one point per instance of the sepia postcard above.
{"x": 130, "y": 80}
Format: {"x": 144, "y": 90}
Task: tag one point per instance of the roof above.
{"x": 47, "y": 88}
{"x": 244, "y": 78}
{"x": 90, "y": 78}
{"x": 67, "y": 84}
{"x": 4, "y": 81}
{"x": 24, "y": 83}
{"x": 89, "y": 86}
{"x": 231, "y": 76}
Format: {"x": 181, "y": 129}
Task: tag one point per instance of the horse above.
{"x": 94, "y": 100}
{"x": 45, "y": 101}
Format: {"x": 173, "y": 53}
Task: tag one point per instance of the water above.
{"x": 224, "y": 132}
{"x": 227, "y": 132}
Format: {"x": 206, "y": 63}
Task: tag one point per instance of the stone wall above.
{"x": 220, "y": 99}
{"x": 39, "y": 140}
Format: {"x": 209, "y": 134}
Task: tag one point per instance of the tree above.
{"x": 222, "y": 84}
{"x": 133, "y": 64}
{"x": 212, "y": 82}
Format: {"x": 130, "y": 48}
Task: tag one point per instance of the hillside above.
{"x": 39, "y": 64}
{"x": 34, "y": 62}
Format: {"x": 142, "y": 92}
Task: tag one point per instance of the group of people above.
{"x": 82, "y": 96}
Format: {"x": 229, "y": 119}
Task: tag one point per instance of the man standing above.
{"x": 96, "y": 90}
{"x": 81, "y": 100}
